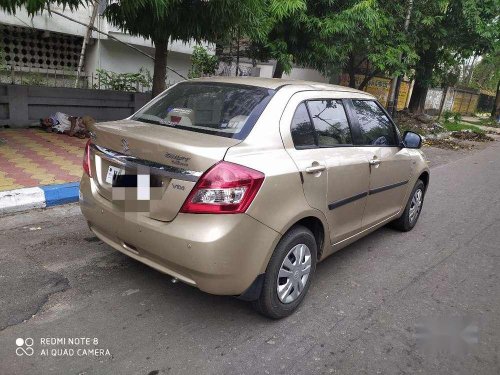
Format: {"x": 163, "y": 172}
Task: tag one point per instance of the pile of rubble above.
{"x": 468, "y": 135}
{"x": 435, "y": 135}
{"x": 447, "y": 143}
{"x": 422, "y": 124}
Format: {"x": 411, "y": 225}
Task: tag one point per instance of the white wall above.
{"x": 116, "y": 57}
{"x": 111, "y": 55}
{"x": 60, "y": 24}
{"x": 434, "y": 98}
{"x": 306, "y": 74}
{"x": 46, "y": 22}
{"x": 266, "y": 70}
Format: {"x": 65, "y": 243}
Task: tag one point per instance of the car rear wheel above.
{"x": 288, "y": 274}
{"x": 413, "y": 208}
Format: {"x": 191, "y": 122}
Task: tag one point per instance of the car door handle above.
{"x": 375, "y": 162}
{"x": 315, "y": 169}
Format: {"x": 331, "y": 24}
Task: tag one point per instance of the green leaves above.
{"x": 36, "y": 6}
{"x": 202, "y": 63}
{"x": 445, "y": 32}
{"x": 365, "y": 36}
{"x": 486, "y": 73}
{"x": 123, "y": 81}
{"x": 362, "y": 36}
{"x": 280, "y": 9}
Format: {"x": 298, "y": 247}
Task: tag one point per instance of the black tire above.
{"x": 269, "y": 303}
{"x": 404, "y": 223}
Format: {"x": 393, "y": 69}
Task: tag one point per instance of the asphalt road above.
{"x": 361, "y": 316}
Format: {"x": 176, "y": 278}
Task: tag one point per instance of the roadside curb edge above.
{"x": 38, "y": 197}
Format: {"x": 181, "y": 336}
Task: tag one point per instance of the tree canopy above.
{"x": 188, "y": 20}
{"x": 367, "y": 37}
{"x": 446, "y": 31}
{"x": 330, "y": 35}
{"x": 35, "y": 6}
{"x": 486, "y": 74}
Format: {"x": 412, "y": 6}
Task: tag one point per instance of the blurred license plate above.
{"x": 112, "y": 173}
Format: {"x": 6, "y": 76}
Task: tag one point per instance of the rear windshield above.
{"x": 222, "y": 109}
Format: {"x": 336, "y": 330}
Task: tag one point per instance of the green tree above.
{"x": 447, "y": 31}
{"x": 202, "y": 63}
{"x": 35, "y": 6}
{"x": 273, "y": 33}
{"x": 486, "y": 74}
{"x": 184, "y": 20}
{"x": 163, "y": 21}
{"x": 360, "y": 36}
{"x": 365, "y": 37}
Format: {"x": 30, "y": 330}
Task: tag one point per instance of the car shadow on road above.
{"x": 183, "y": 304}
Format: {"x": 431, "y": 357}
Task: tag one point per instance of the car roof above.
{"x": 276, "y": 83}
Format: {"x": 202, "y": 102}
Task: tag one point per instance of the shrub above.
{"x": 202, "y": 63}
{"x": 452, "y": 117}
{"x": 123, "y": 81}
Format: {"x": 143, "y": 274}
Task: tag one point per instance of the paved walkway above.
{"x": 489, "y": 128}
{"x": 32, "y": 157}
{"x": 471, "y": 119}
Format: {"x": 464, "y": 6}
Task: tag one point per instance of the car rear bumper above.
{"x": 219, "y": 254}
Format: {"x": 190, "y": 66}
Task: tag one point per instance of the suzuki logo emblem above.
{"x": 125, "y": 146}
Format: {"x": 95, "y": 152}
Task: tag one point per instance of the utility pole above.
{"x": 88, "y": 34}
{"x": 396, "y": 81}
{"x": 443, "y": 101}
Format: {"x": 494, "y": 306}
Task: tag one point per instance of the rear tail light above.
{"x": 86, "y": 160}
{"x": 225, "y": 188}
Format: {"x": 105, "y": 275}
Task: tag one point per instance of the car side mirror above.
{"x": 412, "y": 140}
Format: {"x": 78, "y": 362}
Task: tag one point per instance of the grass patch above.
{"x": 458, "y": 126}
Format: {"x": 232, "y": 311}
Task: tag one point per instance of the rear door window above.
{"x": 375, "y": 127}
{"x": 320, "y": 123}
{"x": 222, "y": 109}
{"x": 330, "y": 122}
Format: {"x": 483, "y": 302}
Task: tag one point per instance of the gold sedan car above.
{"x": 240, "y": 186}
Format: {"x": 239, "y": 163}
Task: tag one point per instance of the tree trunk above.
{"x": 219, "y": 50}
{"x": 417, "y": 101}
{"x": 160, "y": 67}
{"x": 352, "y": 79}
{"x": 366, "y": 80}
{"x": 278, "y": 72}
{"x": 397, "y": 89}
{"x": 351, "y": 70}
{"x": 392, "y": 105}
{"x": 423, "y": 77}
{"x": 496, "y": 106}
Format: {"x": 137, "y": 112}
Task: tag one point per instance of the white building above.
{"x": 51, "y": 46}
